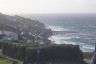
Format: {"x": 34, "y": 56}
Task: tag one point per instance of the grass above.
{"x": 3, "y": 61}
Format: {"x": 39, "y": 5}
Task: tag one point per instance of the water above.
{"x": 83, "y": 25}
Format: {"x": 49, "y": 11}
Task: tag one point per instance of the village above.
{"x": 20, "y": 28}
{"x": 34, "y": 35}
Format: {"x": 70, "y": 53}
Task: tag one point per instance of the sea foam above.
{"x": 57, "y": 28}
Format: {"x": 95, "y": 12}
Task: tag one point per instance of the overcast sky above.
{"x": 47, "y": 6}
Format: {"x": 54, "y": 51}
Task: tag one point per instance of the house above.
{"x": 7, "y": 35}
{"x": 2, "y": 37}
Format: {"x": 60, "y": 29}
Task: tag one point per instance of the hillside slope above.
{"x": 23, "y": 25}
{"x": 17, "y": 20}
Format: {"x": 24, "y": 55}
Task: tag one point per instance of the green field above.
{"x": 3, "y": 61}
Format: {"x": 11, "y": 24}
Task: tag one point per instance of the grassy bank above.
{"x": 3, "y": 61}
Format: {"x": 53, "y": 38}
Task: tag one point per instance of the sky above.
{"x": 47, "y": 6}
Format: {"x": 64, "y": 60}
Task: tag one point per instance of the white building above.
{"x": 7, "y": 35}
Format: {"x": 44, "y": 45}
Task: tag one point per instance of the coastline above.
{"x": 69, "y": 36}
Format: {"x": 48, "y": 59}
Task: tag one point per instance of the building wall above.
{"x": 11, "y": 36}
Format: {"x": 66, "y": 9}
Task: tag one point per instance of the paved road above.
{"x": 87, "y": 60}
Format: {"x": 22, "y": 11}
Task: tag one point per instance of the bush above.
{"x": 15, "y": 62}
{"x": 48, "y": 52}
{"x": 55, "y": 53}
{"x": 14, "y": 50}
{"x": 1, "y": 45}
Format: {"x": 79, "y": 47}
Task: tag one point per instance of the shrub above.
{"x": 14, "y": 50}
{"x": 48, "y": 52}
{"x": 55, "y": 52}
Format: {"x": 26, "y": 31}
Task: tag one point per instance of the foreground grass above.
{"x": 3, "y": 61}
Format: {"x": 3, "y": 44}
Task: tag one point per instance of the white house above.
{"x": 7, "y": 35}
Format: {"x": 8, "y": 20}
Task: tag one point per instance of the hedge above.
{"x": 48, "y": 52}
{"x": 15, "y": 51}
{"x": 1, "y": 45}
{"x": 55, "y": 53}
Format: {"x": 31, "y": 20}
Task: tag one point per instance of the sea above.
{"x": 79, "y": 29}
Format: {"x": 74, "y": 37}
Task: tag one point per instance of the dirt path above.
{"x": 9, "y": 58}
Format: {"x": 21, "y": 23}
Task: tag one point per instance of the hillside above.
{"x": 6, "y": 27}
{"x": 17, "y": 21}
{"x": 28, "y": 22}
{"x": 28, "y": 27}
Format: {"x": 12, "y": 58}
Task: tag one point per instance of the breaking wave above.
{"x": 57, "y": 28}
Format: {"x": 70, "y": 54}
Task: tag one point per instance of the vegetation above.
{"x": 3, "y": 61}
{"x": 8, "y": 23}
{"x": 6, "y": 27}
{"x": 55, "y": 54}
{"x": 28, "y": 22}
{"x": 67, "y": 62}
{"x": 48, "y": 52}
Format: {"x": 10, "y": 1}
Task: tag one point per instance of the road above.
{"x": 87, "y": 60}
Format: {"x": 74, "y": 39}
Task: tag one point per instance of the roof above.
{"x": 6, "y": 32}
